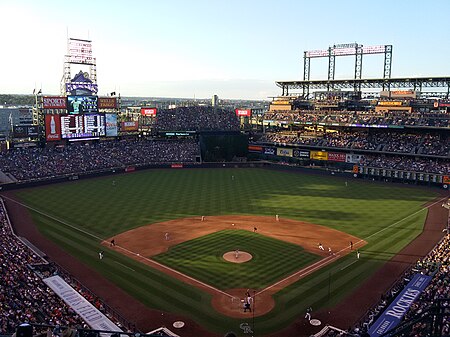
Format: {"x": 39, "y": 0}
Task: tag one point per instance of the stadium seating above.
{"x": 35, "y": 163}
{"x": 24, "y": 297}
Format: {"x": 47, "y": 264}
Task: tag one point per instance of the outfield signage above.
{"x": 149, "y": 112}
{"x": 54, "y": 102}
{"x": 90, "y": 314}
{"x": 255, "y": 148}
{"x": 281, "y": 151}
{"x": 319, "y": 155}
{"x": 52, "y": 128}
{"x": 392, "y": 316}
{"x": 335, "y": 156}
{"x": 107, "y": 103}
{"x": 243, "y": 112}
{"x": 301, "y": 153}
{"x": 269, "y": 150}
{"x": 353, "y": 158}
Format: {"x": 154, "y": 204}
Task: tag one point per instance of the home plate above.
{"x": 315, "y": 322}
{"x": 180, "y": 324}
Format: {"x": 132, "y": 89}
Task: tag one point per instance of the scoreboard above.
{"x": 81, "y": 126}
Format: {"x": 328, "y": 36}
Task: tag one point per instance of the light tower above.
{"x": 79, "y": 52}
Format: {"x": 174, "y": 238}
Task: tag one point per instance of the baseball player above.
{"x": 308, "y": 313}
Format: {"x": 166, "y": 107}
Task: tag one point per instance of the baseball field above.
{"x": 170, "y": 260}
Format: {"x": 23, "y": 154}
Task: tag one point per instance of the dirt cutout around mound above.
{"x": 234, "y": 257}
{"x": 144, "y": 242}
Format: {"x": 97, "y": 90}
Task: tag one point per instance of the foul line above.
{"x": 399, "y": 221}
{"x": 124, "y": 265}
{"x": 304, "y": 272}
{"x": 349, "y": 265}
{"x": 53, "y": 218}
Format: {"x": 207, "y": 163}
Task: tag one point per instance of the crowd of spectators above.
{"x": 431, "y": 118}
{"x": 196, "y": 118}
{"x": 290, "y": 138}
{"x": 24, "y": 297}
{"x": 403, "y": 163}
{"x": 35, "y": 163}
{"x": 382, "y": 141}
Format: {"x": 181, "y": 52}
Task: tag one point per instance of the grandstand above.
{"x": 399, "y": 133}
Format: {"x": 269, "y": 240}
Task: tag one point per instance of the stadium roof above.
{"x": 414, "y": 83}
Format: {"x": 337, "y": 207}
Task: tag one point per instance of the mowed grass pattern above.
{"x": 202, "y": 259}
{"x": 78, "y": 215}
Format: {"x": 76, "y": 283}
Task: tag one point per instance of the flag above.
{"x": 34, "y": 90}
{"x": 40, "y": 91}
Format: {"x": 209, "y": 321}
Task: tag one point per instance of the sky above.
{"x": 235, "y": 49}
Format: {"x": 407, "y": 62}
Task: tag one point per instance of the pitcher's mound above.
{"x": 237, "y": 258}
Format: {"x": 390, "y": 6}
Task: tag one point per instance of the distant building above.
{"x": 215, "y": 100}
{"x": 14, "y": 116}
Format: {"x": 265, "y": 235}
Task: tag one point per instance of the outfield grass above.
{"x": 82, "y": 213}
{"x": 202, "y": 259}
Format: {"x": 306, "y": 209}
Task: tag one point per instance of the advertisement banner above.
{"x": 243, "y": 112}
{"x": 89, "y": 313}
{"x": 23, "y": 131}
{"x": 111, "y": 125}
{"x": 319, "y": 155}
{"x": 52, "y": 128}
{"x": 335, "y": 156}
{"x": 353, "y": 158}
{"x": 254, "y": 148}
{"x": 19, "y": 131}
{"x": 281, "y": 151}
{"x": 129, "y": 126}
{"x": 54, "y": 102}
{"x": 148, "y": 112}
{"x": 392, "y": 316}
{"x": 32, "y": 130}
{"x": 269, "y": 150}
{"x": 107, "y": 103}
{"x": 301, "y": 153}
{"x": 390, "y": 103}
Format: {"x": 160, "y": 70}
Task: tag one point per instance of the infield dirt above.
{"x": 144, "y": 242}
